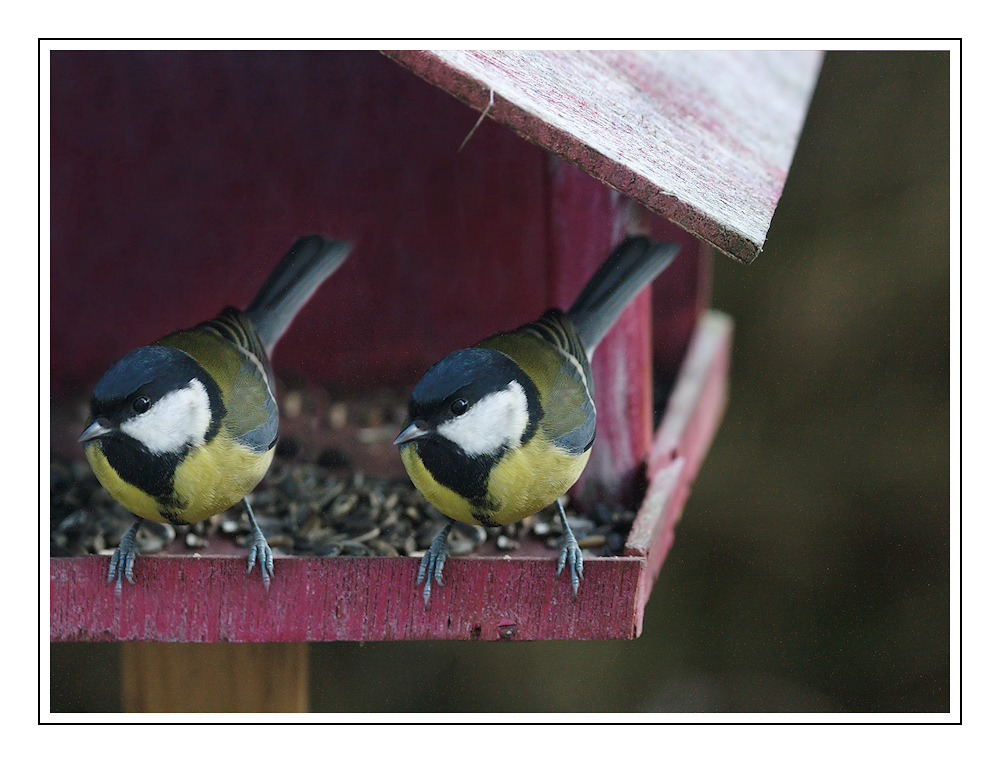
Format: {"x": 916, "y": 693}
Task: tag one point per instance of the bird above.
{"x": 501, "y": 430}
{"x": 184, "y": 428}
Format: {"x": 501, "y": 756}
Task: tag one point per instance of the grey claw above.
{"x": 424, "y": 561}
{"x": 129, "y": 563}
{"x": 259, "y": 551}
{"x": 432, "y": 564}
{"x": 123, "y": 559}
{"x": 439, "y": 569}
{"x": 425, "y": 573}
{"x": 570, "y": 552}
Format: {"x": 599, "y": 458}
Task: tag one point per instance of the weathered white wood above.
{"x": 703, "y": 138}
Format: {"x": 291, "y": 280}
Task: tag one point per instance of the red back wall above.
{"x": 180, "y": 178}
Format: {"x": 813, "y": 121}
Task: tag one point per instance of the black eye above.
{"x": 460, "y": 406}
{"x": 141, "y": 404}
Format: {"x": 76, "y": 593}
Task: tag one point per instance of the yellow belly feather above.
{"x": 209, "y": 480}
{"x": 444, "y": 499}
{"x": 531, "y": 477}
{"x": 525, "y": 481}
{"x": 129, "y": 496}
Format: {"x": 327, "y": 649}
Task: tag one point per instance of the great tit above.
{"x": 500, "y": 430}
{"x": 186, "y": 427}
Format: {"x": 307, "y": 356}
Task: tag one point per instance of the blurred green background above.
{"x": 811, "y": 568}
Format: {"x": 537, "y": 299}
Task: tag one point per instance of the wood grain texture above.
{"x": 693, "y": 414}
{"x": 180, "y": 599}
{"x": 214, "y": 678}
{"x": 698, "y": 398}
{"x": 703, "y": 138}
{"x": 488, "y": 596}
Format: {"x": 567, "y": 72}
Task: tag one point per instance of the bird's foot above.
{"x": 260, "y": 552}
{"x": 432, "y": 564}
{"x": 569, "y": 553}
{"x": 124, "y": 558}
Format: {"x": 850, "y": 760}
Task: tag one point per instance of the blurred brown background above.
{"x": 811, "y": 568}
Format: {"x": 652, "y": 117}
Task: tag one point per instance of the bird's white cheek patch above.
{"x": 177, "y": 419}
{"x": 496, "y": 421}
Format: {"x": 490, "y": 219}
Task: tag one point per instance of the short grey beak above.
{"x": 415, "y": 431}
{"x": 95, "y": 430}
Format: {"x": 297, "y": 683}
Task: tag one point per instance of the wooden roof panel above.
{"x": 703, "y": 138}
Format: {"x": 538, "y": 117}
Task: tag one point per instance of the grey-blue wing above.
{"x": 576, "y": 406}
{"x": 553, "y": 356}
{"x": 229, "y": 349}
{"x": 253, "y": 411}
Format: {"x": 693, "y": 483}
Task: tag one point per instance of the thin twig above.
{"x": 478, "y": 121}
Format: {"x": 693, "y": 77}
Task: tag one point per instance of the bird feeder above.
{"x": 178, "y": 179}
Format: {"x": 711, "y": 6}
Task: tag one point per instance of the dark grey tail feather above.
{"x": 308, "y": 263}
{"x": 634, "y": 263}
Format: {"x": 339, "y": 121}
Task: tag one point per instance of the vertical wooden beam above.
{"x": 586, "y": 221}
{"x": 623, "y": 373}
{"x": 214, "y": 678}
{"x": 623, "y": 378}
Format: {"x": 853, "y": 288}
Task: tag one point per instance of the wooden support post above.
{"x": 586, "y": 221}
{"x": 214, "y": 678}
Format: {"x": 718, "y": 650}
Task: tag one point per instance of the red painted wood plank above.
{"x": 181, "y": 598}
{"x": 698, "y": 398}
{"x": 653, "y": 530}
{"x": 704, "y": 138}
{"x": 693, "y": 413}
{"x": 209, "y": 599}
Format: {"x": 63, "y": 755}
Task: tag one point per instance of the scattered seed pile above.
{"x": 314, "y": 509}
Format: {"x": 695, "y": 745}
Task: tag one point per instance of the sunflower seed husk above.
{"x": 505, "y": 543}
{"x": 313, "y": 501}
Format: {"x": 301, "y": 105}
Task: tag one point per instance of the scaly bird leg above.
{"x": 569, "y": 552}
{"x": 123, "y": 559}
{"x": 432, "y": 565}
{"x": 259, "y": 550}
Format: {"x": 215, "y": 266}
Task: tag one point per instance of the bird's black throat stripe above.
{"x": 153, "y": 474}
{"x": 466, "y": 475}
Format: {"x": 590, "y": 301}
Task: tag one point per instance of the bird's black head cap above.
{"x": 152, "y": 372}
{"x": 470, "y": 374}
